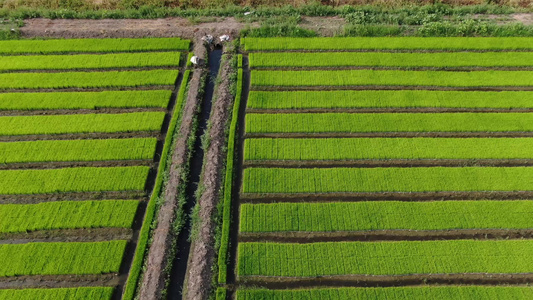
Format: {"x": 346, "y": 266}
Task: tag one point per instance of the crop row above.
{"x": 387, "y": 43}
{"x": 387, "y": 148}
{"x": 413, "y": 293}
{"x": 381, "y": 59}
{"x": 78, "y": 150}
{"x": 84, "y": 61}
{"x": 61, "y": 258}
{"x": 392, "y": 78}
{"x": 72, "y": 180}
{"x": 388, "y": 122}
{"x": 87, "y": 79}
{"x": 386, "y": 215}
{"x": 85, "y": 123}
{"x": 79, "y": 293}
{"x": 389, "y": 99}
{"x": 67, "y": 215}
{"x": 85, "y": 100}
{"x": 92, "y": 45}
{"x": 425, "y": 179}
{"x": 385, "y": 258}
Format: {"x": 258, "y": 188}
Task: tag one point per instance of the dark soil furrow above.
{"x": 80, "y": 111}
{"x": 388, "y": 87}
{"x": 100, "y": 89}
{"x": 38, "y": 198}
{"x": 387, "y": 110}
{"x": 392, "y": 50}
{"x": 409, "y": 68}
{"x": 91, "y": 69}
{"x": 67, "y": 235}
{"x": 58, "y": 281}
{"x": 384, "y": 196}
{"x": 76, "y": 164}
{"x": 389, "y": 134}
{"x": 81, "y": 136}
{"x": 387, "y": 163}
{"x": 91, "y": 53}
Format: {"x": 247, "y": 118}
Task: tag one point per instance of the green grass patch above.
{"x": 414, "y": 293}
{"x": 87, "y": 79}
{"x": 389, "y": 99}
{"x": 385, "y": 258}
{"x": 78, "y": 150}
{"x": 83, "y": 61}
{"x": 354, "y": 180}
{"x": 85, "y": 100}
{"x": 80, "y": 293}
{"x": 61, "y": 258}
{"x": 392, "y": 78}
{"x": 67, "y": 215}
{"x": 381, "y": 59}
{"x": 388, "y": 122}
{"x": 387, "y": 148}
{"x": 388, "y": 43}
{"x": 92, "y": 45}
{"x": 85, "y": 123}
{"x": 45, "y": 181}
{"x": 386, "y": 215}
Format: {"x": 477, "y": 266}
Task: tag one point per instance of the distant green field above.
{"x": 355, "y": 180}
{"x": 388, "y": 122}
{"x": 389, "y": 99}
{"x": 80, "y": 293}
{"x": 385, "y": 258}
{"x": 385, "y": 215}
{"x": 67, "y": 214}
{"x": 387, "y": 148}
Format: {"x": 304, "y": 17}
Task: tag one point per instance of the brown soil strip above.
{"x": 88, "y": 53}
{"x": 79, "y": 111}
{"x": 99, "y": 89}
{"x": 409, "y": 68}
{"x": 384, "y": 196}
{"x": 157, "y": 261}
{"x": 385, "y": 235}
{"x": 388, "y": 87}
{"x": 67, "y": 235}
{"x": 75, "y": 164}
{"x": 392, "y": 50}
{"x": 388, "y": 134}
{"x": 81, "y": 136}
{"x": 272, "y": 282}
{"x": 386, "y": 163}
{"x": 39, "y": 198}
{"x": 58, "y": 281}
{"x": 91, "y": 69}
{"x": 387, "y": 110}
{"x": 203, "y": 252}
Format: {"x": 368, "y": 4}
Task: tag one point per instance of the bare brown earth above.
{"x": 381, "y": 163}
{"x": 198, "y": 282}
{"x": 67, "y": 235}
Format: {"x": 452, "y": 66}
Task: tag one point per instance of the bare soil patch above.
{"x": 58, "y": 281}
{"x": 81, "y": 136}
{"x": 79, "y": 111}
{"x": 32, "y": 199}
{"x": 75, "y": 164}
{"x": 385, "y": 110}
{"x": 389, "y": 134}
{"x": 67, "y": 235}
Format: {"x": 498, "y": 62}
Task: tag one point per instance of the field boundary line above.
{"x": 67, "y": 235}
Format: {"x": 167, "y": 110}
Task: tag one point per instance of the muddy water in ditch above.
{"x": 179, "y": 267}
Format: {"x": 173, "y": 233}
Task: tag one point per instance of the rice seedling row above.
{"x": 92, "y": 45}
{"x": 84, "y": 61}
{"x": 388, "y": 122}
{"x": 387, "y": 43}
{"x": 385, "y": 215}
{"x": 381, "y": 59}
{"x": 61, "y": 258}
{"x": 260, "y": 78}
{"x": 87, "y": 79}
{"x": 266, "y": 149}
{"x": 385, "y": 258}
{"x": 350, "y": 99}
{"x": 80, "y": 293}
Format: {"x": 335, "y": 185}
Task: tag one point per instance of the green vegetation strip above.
{"x": 389, "y": 99}
{"x": 80, "y": 293}
{"x": 386, "y": 215}
{"x": 388, "y": 122}
{"x": 387, "y": 148}
{"x": 385, "y": 258}
{"x": 78, "y": 150}
{"x": 14, "y": 182}
{"x": 83, "y": 61}
{"x": 61, "y": 258}
{"x": 67, "y": 215}
{"x": 433, "y": 179}
{"x": 86, "y": 123}
{"x": 392, "y": 78}
{"x": 87, "y": 79}
{"x": 85, "y": 100}
{"x": 92, "y": 45}
{"x": 377, "y": 59}
{"x": 414, "y": 293}
{"x": 144, "y": 235}
{"x": 388, "y": 43}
